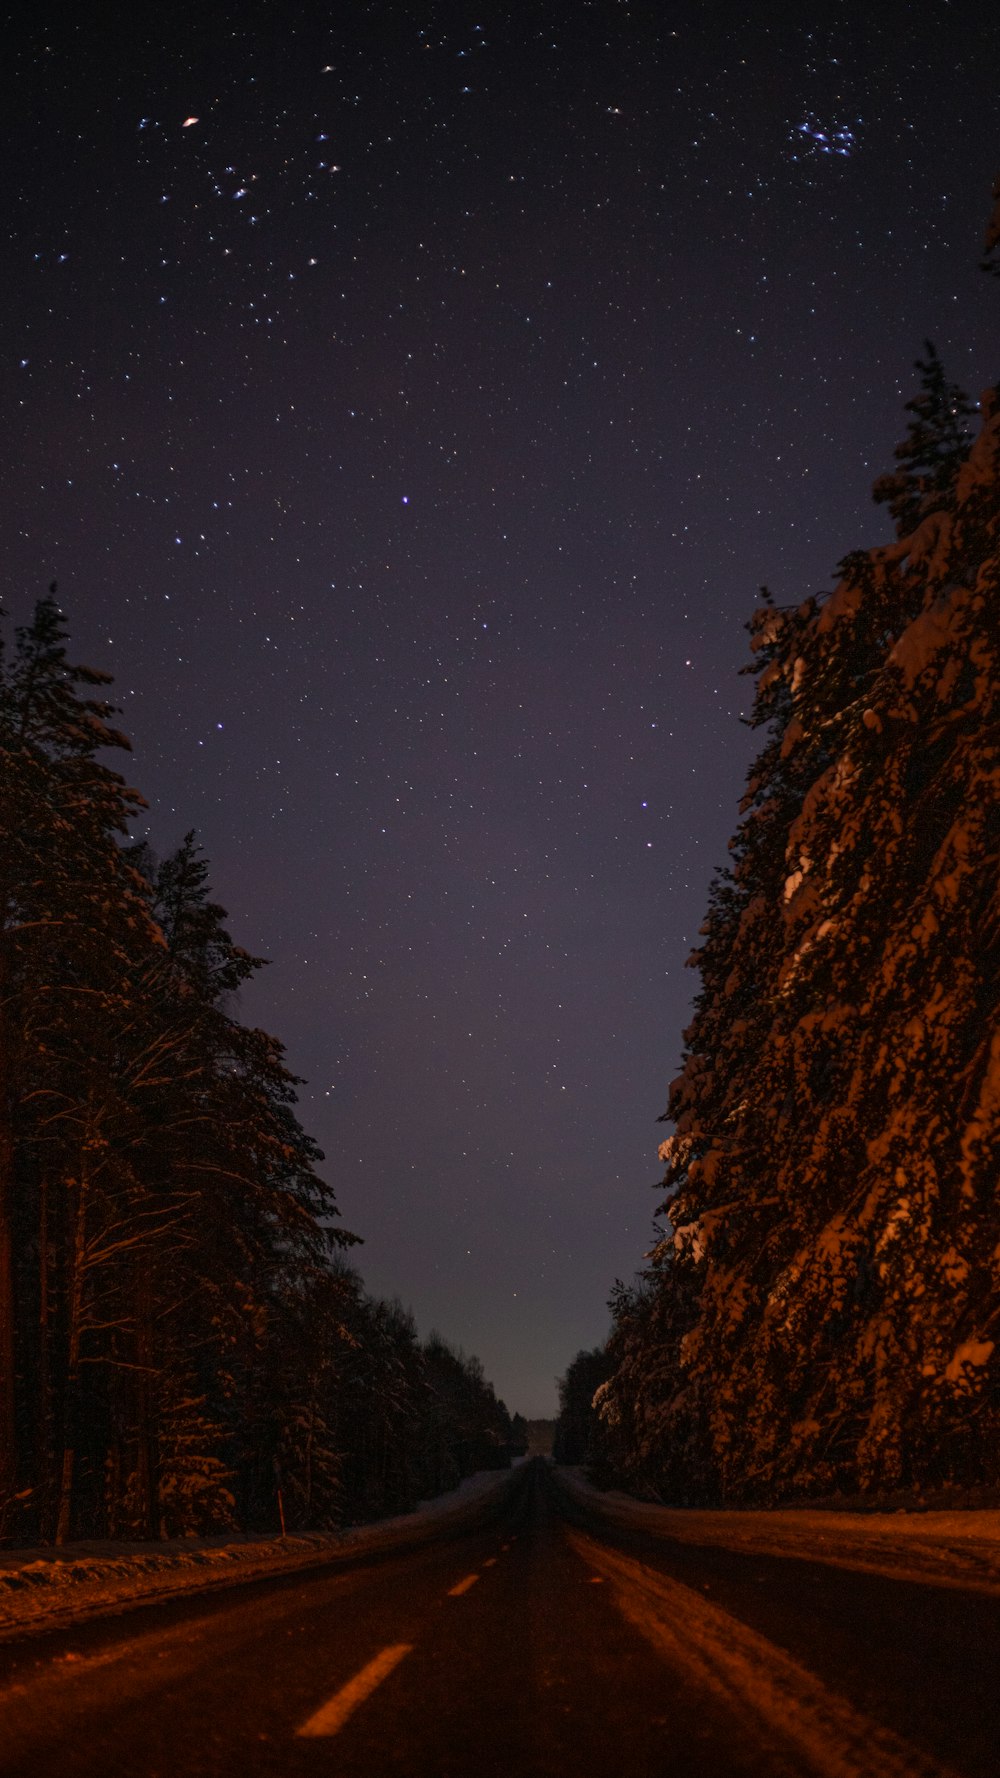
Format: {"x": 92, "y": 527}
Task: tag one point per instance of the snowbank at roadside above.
{"x": 44, "y": 1589}
{"x": 949, "y": 1549}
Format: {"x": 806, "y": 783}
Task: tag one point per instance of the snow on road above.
{"x": 775, "y": 1698}
{"x": 949, "y": 1549}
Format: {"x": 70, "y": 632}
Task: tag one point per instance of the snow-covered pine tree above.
{"x": 823, "y": 1309}
{"x": 193, "y": 1482}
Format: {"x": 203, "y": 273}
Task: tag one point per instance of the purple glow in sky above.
{"x": 409, "y": 402}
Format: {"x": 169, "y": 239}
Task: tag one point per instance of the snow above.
{"x": 770, "y": 1698}
{"x": 46, "y": 1589}
{"x": 931, "y": 630}
{"x": 972, "y": 1352}
{"x": 843, "y": 1063}
{"x": 945, "y": 1549}
{"x": 794, "y": 733}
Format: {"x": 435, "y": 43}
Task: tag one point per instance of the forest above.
{"x": 820, "y": 1314}
{"x": 184, "y": 1344}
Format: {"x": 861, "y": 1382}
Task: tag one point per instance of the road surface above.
{"x": 534, "y": 1646}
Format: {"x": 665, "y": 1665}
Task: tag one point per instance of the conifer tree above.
{"x": 70, "y": 925}
{"x": 821, "y": 1311}
{"x": 181, "y": 1345}
{"x": 934, "y": 449}
{"x": 577, "y": 1429}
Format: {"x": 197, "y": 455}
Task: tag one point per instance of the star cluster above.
{"x": 409, "y": 402}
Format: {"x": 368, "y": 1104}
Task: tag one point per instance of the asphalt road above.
{"x": 533, "y": 1646}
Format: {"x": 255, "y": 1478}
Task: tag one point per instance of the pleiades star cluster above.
{"x": 409, "y": 401}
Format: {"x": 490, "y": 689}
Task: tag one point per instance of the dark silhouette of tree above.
{"x": 934, "y": 449}
{"x": 577, "y": 1429}
{"x": 182, "y": 1347}
{"x": 71, "y": 923}
{"x": 518, "y": 1435}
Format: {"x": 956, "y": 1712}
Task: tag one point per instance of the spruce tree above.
{"x": 821, "y": 1311}
{"x": 182, "y": 1347}
{"x": 934, "y": 449}
{"x": 71, "y": 928}
{"x": 577, "y": 1428}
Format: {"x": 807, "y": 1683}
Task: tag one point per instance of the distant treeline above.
{"x": 183, "y": 1345}
{"x": 822, "y": 1309}
{"x": 575, "y": 1438}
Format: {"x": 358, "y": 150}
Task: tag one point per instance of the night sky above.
{"x": 409, "y": 401}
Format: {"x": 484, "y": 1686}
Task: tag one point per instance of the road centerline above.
{"x": 330, "y": 1718}
{"x": 462, "y": 1586}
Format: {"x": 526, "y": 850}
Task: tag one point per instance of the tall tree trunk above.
{"x": 43, "y": 1406}
{"x": 113, "y": 1489}
{"x": 8, "y": 1350}
{"x": 73, "y": 1332}
{"x": 148, "y": 1459}
{"x": 8, "y": 1331}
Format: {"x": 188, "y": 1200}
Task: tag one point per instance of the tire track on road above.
{"x": 755, "y": 1679}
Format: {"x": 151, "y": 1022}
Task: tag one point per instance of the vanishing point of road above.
{"x": 539, "y": 1645}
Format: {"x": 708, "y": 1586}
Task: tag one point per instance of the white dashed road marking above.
{"x": 330, "y": 1718}
{"x": 463, "y": 1586}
